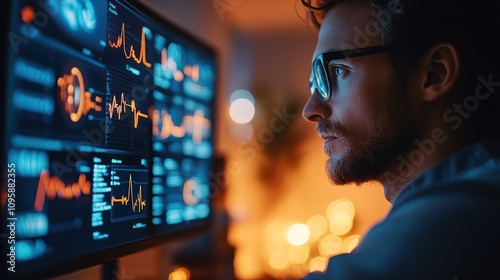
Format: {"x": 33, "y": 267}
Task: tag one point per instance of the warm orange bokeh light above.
{"x": 180, "y": 273}
{"x": 298, "y": 234}
{"x": 27, "y": 14}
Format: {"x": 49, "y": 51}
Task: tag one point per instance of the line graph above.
{"x": 121, "y": 107}
{"x": 52, "y": 187}
{"x": 77, "y": 101}
{"x": 121, "y": 42}
{"x": 136, "y": 203}
{"x": 164, "y": 126}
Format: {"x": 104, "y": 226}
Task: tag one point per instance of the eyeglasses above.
{"x": 319, "y": 81}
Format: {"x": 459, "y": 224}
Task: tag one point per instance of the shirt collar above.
{"x": 467, "y": 162}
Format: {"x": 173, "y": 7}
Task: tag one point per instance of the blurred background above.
{"x": 278, "y": 216}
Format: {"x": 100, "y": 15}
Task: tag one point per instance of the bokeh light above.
{"x": 180, "y": 273}
{"x": 300, "y": 248}
{"x": 350, "y": 243}
{"x": 342, "y": 205}
{"x": 340, "y": 224}
{"x": 330, "y": 245}
{"x": 27, "y": 14}
{"x": 241, "y": 110}
{"x": 340, "y": 213}
{"x": 242, "y": 106}
{"x": 298, "y": 234}
{"x": 318, "y": 264}
{"x": 317, "y": 225}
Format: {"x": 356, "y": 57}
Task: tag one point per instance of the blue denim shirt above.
{"x": 444, "y": 225}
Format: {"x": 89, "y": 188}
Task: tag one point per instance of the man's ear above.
{"x": 441, "y": 69}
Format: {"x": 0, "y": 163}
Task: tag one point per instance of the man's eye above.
{"x": 339, "y": 71}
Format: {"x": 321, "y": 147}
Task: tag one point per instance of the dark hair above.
{"x": 472, "y": 27}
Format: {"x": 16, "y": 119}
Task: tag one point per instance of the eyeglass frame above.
{"x": 325, "y": 58}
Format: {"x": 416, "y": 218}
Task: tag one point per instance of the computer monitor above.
{"x": 108, "y": 143}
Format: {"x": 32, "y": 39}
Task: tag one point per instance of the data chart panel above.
{"x": 108, "y": 118}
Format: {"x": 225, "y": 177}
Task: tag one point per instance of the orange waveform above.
{"x": 138, "y": 203}
{"x": 190, "y": 192}
{"x": 121, "y": 42}
{"x": 50, "y": 187}
{"x": 164, "y": 127}
{"x": 77, "y": 101}
{"x": 121, "y": 107}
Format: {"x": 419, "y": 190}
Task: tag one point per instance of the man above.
{"x": 406, "y": 93}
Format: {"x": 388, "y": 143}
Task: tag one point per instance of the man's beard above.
{"x": 367, "y": 158}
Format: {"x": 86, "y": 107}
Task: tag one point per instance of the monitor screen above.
{"x": 108, "y": 120}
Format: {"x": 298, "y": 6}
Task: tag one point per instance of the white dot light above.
{"x": 241, "y": 110}
{"x": 298, "y": 234}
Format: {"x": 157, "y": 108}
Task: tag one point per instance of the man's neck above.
{"x": 437, "y": 144}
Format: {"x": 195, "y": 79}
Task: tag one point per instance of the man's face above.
{"x": 365, "y": 124}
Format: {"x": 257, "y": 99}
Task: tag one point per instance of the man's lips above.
{"x": 327, "y": 131}
{"x": 327, "y": 137}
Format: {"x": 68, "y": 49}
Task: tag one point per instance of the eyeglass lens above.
{"x": 321, "y": 80}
